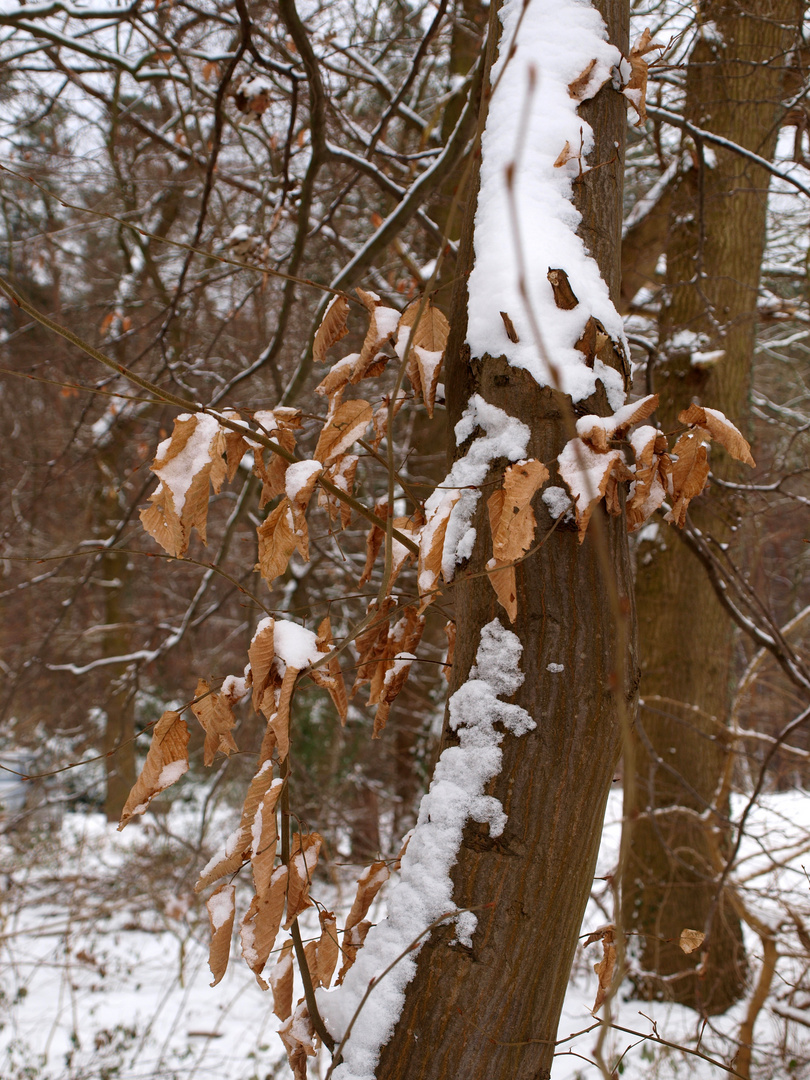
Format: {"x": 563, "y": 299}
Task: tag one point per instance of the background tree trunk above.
{"x": 492, "y": 1010}
{"x": 716, "y": 239}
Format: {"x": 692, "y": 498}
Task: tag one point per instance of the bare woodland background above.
{"x": 180, "y": 181}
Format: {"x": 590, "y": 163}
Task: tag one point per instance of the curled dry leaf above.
{"x": 650, "y": 482}
{"x": 277, "y": 541}
{"x": 341, "y": 474}
{"x": 259, "y": 928}
{"x": 589, "y": 82}
{"x": 689, "y": 475}
{"x": 264, "y": 835}
{"x": 691, "y": 940}
{"x": 298, "y": 1036}
{"x": 328, "y": 948}
{"x": 450, "y": 632}
{"x": 350, "y": 946}
{"x": 282, "y": 980}
{"x": 369, "y": 884}
{"x": 721, "y": 430}
{"x": 357, "y": 926}
{"x": 381, "y": 329}
{"x": 393, "y": 681}
{"x": 166, "y": 762}
{"x": 636, "y": 89}
{"x": 261, "y": 655}
{"x": 606, "y": 966}
{"x": 216, "y": 718}
{"x": 185, "y": 464}
{"x": 597, "y": 431}
{"x": 221, "y": 907}
{"x": 428, "y": 329}
{"x": 372, "y": 642}
{"x": 333, "y": 327}
{"x": 347, "y": 425}
{"x": 511, "y": 516}
{"x": 566, "y": 155}
{"x": 236, "y": 445}
{"x": 587, "y": 472}
{"x": 238, "y": 846}
{"x": 431, "y": 544}
{"x": 303, "y": 860}
{"x": 330, "y": 677}
{"x": 503, "y": 580}
{"x": 277, "y": 710}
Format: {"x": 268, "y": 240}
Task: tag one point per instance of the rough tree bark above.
{"x": 492, "y": 1010}
{"x": 735, "y": 80}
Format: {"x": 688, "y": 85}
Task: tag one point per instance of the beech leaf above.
{"x": 282, "y": 981}
{"x": 721, "y": 430}
{"x": 689, "y": 474}
{"x": 221, "y": 907}
{"x": 216, "y": 718}
{"x": 277, "y": 541}
{"x": 691, "y": 940}
{"x": 303, "y": 860}
{"x": 260, "y": 926}
{"x": 347, "y": 425}
{"x": 165, "y": 763}
{"x": 333, "y": 327}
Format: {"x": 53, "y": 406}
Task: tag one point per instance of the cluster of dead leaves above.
{"x": 593, "y": 466}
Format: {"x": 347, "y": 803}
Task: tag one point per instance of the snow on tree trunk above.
{"x": 520, "y": 837}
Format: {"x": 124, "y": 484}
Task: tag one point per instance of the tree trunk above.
{"x": 491, "y": 1010}
{"x": 714, "y": 252}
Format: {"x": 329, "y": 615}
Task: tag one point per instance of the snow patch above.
{"x": 531, "y": 118}
{"x": 424, "y": 892}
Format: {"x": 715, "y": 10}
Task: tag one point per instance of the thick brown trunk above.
{"x": 492, "y": 1010}
{"x": 714, "y": 253}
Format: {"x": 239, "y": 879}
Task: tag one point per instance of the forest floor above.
{"x": 104, "y": 973}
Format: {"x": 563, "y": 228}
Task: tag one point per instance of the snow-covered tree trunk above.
{"x": 517, "y": 825}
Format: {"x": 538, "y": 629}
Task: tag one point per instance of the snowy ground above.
{"x": 103, "y": 964}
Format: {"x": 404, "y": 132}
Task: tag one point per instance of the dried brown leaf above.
{"x": 503, "y": 580}
{"x": 636, "y": 89}
{"x": 691, "y": 940}
{"x": 166, "y": 762}
{"x": 347, "y": 425}
{"x": 333, "y": 327}
{"x": 350, "y": 946}
{"x": 431, "y": 543}
{"x": 721, "y": 430}
{"x": 259, "y": 928}
{"x": 328, "y": 948}
{"x": 511, "y": 516}
{"x": 216, "y": 718}
{"x": 277, "y": 711}
{"x": 303, "y": 860}
{"x": 330, "y": 677}
{"x": 261, "y": 655}
{"x": 605, "y": 968}
{"x": 430, "y": 329}
{"x": 581, "y": 87}
{"x": 277, "y": 542}
{"x": 265, "y": 835}
{"x": 689, "y": 475}
{"x": 221, "y": 907}
{"x": 237, "y": 848}
{"x": 586, "y": 472}
{"x": 281, "y": 982}
{"x": 369, "y": 884}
